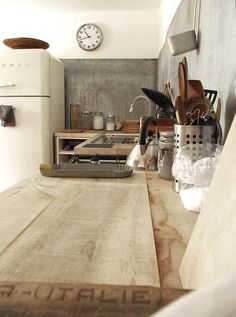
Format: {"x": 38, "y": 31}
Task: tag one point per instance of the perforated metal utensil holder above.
{"x": 191, "y": 136}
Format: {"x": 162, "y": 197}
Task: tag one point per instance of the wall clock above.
{"x": 89, "y": 36}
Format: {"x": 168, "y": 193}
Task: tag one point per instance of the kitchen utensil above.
{"x": 170, "y": 92}
{"x": 192, "y": 137}
{"x": 165, "y": 91}
{"x": 211, "y": 95}
{"x": 143, "y": 133}
{"x": 199, "y": 108}
{"x": 161, "y": 100}
{"x": 179, "y": 110}
{"x": 218, "y": 110}
{"x": 25, "y": 42}
{"x": 195, "y": 89}
{"x": 183, "y": 93}
{"x": 217, "y": 120}
{"x": 182, "y": 82}
{"x": 182, "y": 42}
{"x": 185, "y": 64}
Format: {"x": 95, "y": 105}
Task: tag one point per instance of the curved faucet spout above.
{"x": 150, "y": 106}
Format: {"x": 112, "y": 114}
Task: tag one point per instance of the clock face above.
{"x": 89, "y": 36}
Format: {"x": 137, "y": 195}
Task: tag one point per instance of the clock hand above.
{"x": 87, "y": 34}
{"x": 84, "y": 38}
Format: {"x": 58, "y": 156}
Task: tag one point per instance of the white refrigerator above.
{"x": 32, "y": 82}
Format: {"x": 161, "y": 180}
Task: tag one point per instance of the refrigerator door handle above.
{"x": 6, "y": 84}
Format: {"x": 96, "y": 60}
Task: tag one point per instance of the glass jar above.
{"x": 98, "y": 121}
{"x": 165, "y": 154}
{"x": 86, "y": 120}
{"x": 110, "y": 124}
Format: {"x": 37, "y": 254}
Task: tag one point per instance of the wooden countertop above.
{"x": 50, "y": 225}
{"x": 58, "y": 233}
{"x": 78, "y": 230}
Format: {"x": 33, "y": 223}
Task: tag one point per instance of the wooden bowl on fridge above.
{"x": 25, "y": 42}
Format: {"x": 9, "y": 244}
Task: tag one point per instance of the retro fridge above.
{"x": 32, "y": 82}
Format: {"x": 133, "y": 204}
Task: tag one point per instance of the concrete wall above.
{"x": 109, "y": 85}
{"x": 214, "y": 63}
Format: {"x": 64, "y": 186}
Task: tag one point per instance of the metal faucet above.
{"x": 150, "y": 108}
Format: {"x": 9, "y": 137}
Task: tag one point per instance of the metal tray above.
{"x": 86, "y": 170}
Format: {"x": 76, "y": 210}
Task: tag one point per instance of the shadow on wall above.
{"x": 230, "y": 108}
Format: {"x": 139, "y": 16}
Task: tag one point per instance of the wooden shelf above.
{"x": 66, "y": 152}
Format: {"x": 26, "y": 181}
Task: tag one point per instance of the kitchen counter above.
{"x": 94, "y": 231}
{"x": 79, "y": 230}
{"x": 41, "y": 218}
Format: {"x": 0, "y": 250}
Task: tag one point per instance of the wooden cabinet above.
{"x": 65, "y": 143}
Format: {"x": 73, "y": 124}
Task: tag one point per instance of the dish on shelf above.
{"x": 25, "y": 42}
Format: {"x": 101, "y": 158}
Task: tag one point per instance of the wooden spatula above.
{"x": 182, "y": 82}
{"x": 180, "y": 111}
{"x": 195, "y": 89}
{"x": 185, "y": 63}
{"x": 218, "y": 110}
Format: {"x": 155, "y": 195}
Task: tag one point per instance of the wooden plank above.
{"x": 173, "y": 227}
{"x": 94, "y": 231}
{"x": 211, "y": 252}
{"x": 87, "y": 300}
{"x": 18, "y": 207}
{"x": 76, "y": 133}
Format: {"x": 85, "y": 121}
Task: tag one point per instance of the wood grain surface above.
{"x": 211, "y": 252}
{"x": 21, "y": 204}
{"x": 172, "y": 226}
{"x": 82, "y": 300}
{"x": 78, "y": 230}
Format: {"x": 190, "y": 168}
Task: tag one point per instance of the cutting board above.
{"x": 211, "y": 251}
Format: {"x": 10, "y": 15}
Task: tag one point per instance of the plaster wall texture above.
{"x": 131, "y": 28}
{"x": 214, "y": 62}
{"x": 126, "y": 33}
{"x": 109, "y": 85}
